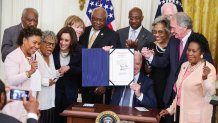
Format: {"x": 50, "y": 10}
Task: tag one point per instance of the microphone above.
{"x": 214, "y": 102}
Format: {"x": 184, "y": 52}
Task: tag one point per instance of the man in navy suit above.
{"x": 31, "y": 107}
{"x": 135, "y": 32}
{"x": 97, "y": 36}
{"x": 175, "y": 54}
{"x": 141, "y": 90}
{"x": 29, "y": 19}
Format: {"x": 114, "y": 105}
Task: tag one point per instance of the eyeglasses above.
{"x": 134, "y": 17}
{"x": 160, "y": 32}
{"x": 49, "y": 44}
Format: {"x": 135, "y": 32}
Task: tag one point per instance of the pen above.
{"x": 204, "y": 62}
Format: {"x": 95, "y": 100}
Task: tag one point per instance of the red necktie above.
{"x": 180, "y": 54}
{"x": 180, "y": 49}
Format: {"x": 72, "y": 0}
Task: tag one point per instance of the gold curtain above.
{"x": 204, "y": 14}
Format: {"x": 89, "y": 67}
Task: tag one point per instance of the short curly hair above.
{"x": 201, "y": 41}
{"x": 28, "y": 32}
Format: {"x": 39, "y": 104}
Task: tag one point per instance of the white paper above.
{"x": 121, "y": 66}
{"x": 141, "y": 109}
{"x": 88, "y": 105}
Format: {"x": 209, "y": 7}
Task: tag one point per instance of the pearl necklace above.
{"x": 159, "y": 47}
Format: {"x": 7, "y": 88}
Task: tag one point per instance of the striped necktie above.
{"x": 92, "y": 39}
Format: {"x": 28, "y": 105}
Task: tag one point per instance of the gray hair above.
{"x": 169, "y": 5}
{"x": 100, "y": 8}
{"x": 163, "y": 20}
{"x": 183, "y": 20}
{"x": 24, "y": 13}
{"x": 48, "y": 33}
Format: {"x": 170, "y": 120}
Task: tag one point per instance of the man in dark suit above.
{"x": 31, "y": 107}
{"x": 135, "y": 32}
{"x": 139, "y": 93}
{"x": 175, "y": 54}
{"x": 29, "y": 19}
{"x": 97, "y": 36}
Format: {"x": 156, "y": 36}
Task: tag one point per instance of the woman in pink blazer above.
{"x": 21, "y": 70}
{"x": 195, "y": 86}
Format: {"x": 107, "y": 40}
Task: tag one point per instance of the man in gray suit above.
{"x": 135, "y": 32}
{"x": 29, "y": 19}
{"x": 31, "y": 107}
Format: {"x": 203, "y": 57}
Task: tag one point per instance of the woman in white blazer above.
{"x": 21, "y": 70}
{"x": 195, "y": 86}
{"x": 49, "y": 76}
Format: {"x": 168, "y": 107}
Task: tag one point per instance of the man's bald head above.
{"x": 29, "y": 17}
{"x": 99, "y": 17}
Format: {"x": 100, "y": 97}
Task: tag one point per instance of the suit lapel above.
{"x": 99, "y": 38}
{"x": 57, "y": 57}
{"x": 141, "y": 37}
{"x": 125, "y": 36}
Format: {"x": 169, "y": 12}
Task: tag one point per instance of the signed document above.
{"x": 121, "y": 66}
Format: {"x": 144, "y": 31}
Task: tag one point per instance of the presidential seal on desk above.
{"x": 107, "y": 117}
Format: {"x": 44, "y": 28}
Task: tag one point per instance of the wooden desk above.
{"x": 124, "y": 113}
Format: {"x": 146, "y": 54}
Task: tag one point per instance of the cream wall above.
{"x": 52, "y": 13}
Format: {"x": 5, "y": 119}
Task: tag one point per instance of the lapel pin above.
{"x": 102, "y": 34}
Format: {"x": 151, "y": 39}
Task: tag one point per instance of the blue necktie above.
{"x": 126, "y": 97}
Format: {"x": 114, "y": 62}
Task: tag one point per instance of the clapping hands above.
{"x": 132, "y": 44}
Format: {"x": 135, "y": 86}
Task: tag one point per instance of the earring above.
{"x": 201, "y": 56}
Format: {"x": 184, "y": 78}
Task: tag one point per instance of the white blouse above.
{"x": 46, "y": 96}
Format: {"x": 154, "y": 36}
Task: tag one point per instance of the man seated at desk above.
{"x": 140, "y": 93}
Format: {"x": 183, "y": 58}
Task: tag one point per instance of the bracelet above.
{"x": 27, "y": 74}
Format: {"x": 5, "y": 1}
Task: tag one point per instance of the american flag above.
{"x": 178, "y": 4}
{"x": 107, "y": 5}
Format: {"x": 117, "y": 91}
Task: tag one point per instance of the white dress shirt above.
{"x": 136, "y": 33}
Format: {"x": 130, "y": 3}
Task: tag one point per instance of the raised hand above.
{"x": 136, "y": 88}
{"x": 34, "y": 67}
{"x": 31, "y": 106}
{"x": 206, "y": 71}
{"x": 146, "y": 52}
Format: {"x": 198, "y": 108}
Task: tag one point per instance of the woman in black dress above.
{"x": 161, "y": 32}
